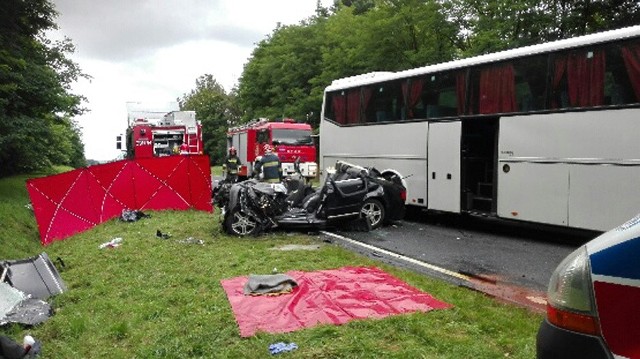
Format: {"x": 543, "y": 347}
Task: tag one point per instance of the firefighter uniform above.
{"x": 270, "y": 167}
{"x": 231, "y": 166}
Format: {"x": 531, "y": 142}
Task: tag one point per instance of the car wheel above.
{"x": 374, "y": 210}
{"x": 240, "y": 224}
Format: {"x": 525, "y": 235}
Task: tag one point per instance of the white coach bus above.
{"x": 548, "y": 133}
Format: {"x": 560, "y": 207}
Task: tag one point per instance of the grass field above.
{"x": 154, "y": 298}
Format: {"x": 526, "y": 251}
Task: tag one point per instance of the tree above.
{"x": 216, "y": 110}
{"x": 275, "y": 82}
{"x": 289, "y": 70}
{"x": 494, "y": 25}
{"x": 36, "y": 105}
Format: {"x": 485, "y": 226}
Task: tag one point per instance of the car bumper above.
{"x": 555, "y": 343}
{"x": 396, "y": 213}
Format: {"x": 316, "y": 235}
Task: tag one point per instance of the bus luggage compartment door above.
{"x": 443, "y": 166}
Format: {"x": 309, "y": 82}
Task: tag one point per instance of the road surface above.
{"x": 512, "y": 261}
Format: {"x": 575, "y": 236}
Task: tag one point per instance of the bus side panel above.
{"x": 401, "y": 147}
{"x": 595, "y": 158}
{"x": 597, "y": 136}
{"x": 601, "y": 197}
{"x": 534, "y": 192}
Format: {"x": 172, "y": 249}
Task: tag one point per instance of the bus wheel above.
{"x": 240, "y": 224}
{"x": 374, "y": 210}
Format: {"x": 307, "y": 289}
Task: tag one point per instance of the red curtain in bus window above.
{"x": 497, "y": 90}
{"x": 631, "y": 56}
{"x": 585, "y": 78}
{"x": 461, "y": 87}
{"x": 353, "y": 106}
{"x": 339, "y": 106}
{"x": 412, "y": 93}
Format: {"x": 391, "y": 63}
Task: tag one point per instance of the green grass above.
{"x": 216, "y": 170}
{"x": 153, "y": 298}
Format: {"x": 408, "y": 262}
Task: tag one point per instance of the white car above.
{"x": 593, "y": 308}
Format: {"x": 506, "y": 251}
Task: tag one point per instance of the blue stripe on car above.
{"x": 620, "y": 260}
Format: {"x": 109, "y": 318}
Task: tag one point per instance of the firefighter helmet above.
{"x": 232, "y": 150}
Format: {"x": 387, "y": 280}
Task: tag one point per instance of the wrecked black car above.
{"x": 350, "y": 193}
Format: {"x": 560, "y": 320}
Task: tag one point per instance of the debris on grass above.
{"x": 132, "y": 216}
{"x": 18, "y": 307}
{"x": 24, "y": 283}
{"x": 116, "y": 242}
{"x": 282, "y": 347}
{"x": 35, "y": 276}
{"x": 297, "y": 247}
{"x": 192, "y": 240}
{"x": 159, "y": 234}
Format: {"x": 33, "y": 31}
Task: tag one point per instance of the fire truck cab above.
{"x": 291, "y": 140}
{"x": 176, "y": 132}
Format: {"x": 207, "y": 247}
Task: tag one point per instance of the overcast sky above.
{"x": 152, "y": 51}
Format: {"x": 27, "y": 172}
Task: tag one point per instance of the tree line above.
{"x": 289, "y": 69}
{"x": 37, "y": 107}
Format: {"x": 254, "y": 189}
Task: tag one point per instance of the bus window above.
{"x": 622, "y": 74}
{"x": 530, "y": 83}
{"x": 353, "y": 106}
{"x": 432, "y": 96}
{"x": 335, "y": 107}
{"x": 578, "y": 78}
{"x": 493, "y": 89}
{"x": 343, "y": 106}
{"x": 383, "y": 102}
{"x": 412, "y": 92}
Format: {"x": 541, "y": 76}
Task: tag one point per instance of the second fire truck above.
{"x": 291, "y": 140}
{"x": 151, "y": 134}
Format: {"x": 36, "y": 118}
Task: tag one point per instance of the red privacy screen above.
{"x": 75, "y": 201}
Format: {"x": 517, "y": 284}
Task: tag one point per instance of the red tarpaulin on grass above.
{"x": 333, "y": 296}
{"x": 78, "y": 200}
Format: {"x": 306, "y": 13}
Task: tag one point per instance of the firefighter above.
{"x": 231, "y": 165}
{"x": 184, "y": 149}
{"x": 270, "y": 166}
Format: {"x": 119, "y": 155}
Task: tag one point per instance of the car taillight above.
{"x": 570, "y": 303}
{"x": 403, "y": 195}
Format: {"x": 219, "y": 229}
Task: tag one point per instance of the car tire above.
{"x": 240, "y": 224}
{"x": 374, "y": 210}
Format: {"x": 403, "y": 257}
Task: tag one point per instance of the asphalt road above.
{"x": 494, "y": 252}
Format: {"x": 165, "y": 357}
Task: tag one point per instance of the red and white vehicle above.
{"x": 172, "y": 133}
{"x": 593, "y": 297}
{"x": 290, "y": 139}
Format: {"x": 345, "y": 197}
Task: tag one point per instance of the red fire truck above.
{"x": 291, "y": 140}
{"x": 173, "y": 133}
